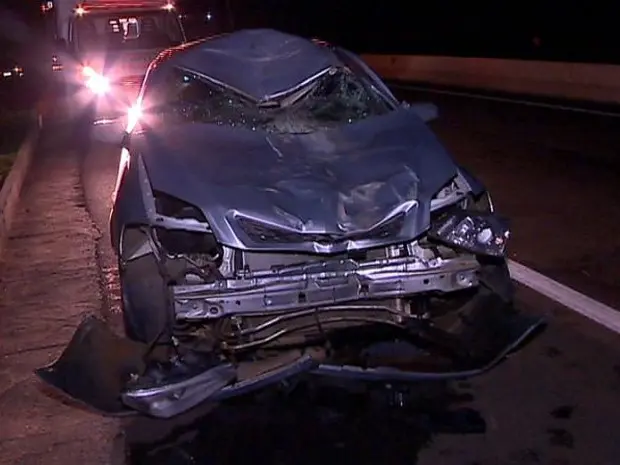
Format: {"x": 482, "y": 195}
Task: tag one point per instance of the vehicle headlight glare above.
{"x": 97, "y": 83}
{"x": 133, "y": 117}
{"x": 482, "y": 234}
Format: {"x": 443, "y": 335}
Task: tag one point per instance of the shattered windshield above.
{"x": 338, "y": 97}
{"x": 98, "y": 32}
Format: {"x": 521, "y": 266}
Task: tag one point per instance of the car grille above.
{"x": 260, "y": 232}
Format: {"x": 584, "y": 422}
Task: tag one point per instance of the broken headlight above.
{"x": 176, "y": 241}
{"x": 479, "y": 233}
{"x": 180, "y": 242}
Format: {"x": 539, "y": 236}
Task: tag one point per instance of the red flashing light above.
{"x": 124, "y": 5}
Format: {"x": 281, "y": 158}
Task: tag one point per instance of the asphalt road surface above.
{"x": 555, "y": 403}
{"x": 554, "y": 174}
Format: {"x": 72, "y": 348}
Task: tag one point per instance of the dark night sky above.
{"x": 568, "y": 30}
{"x": 19, "y": 25}
{"x": 29, "y": 9}
{"x": 573, "y": 31}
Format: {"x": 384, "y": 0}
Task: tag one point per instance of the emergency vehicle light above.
{"x": 92, "y": 5}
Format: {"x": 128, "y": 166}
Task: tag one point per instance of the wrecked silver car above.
{"x": 280, "y": 216}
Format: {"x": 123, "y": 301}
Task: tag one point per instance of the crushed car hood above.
{"x": 341, "y": 183}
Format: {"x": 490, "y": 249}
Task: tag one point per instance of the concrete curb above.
{"x": 11, "y": 189}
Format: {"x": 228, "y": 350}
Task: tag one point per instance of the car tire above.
{"x": 145, "y": 301}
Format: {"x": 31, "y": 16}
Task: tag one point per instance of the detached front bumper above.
{"x": 100, "y": 369}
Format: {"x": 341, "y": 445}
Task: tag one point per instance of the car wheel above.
{"x": 146, "y": 310}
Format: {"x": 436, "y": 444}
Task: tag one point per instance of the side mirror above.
{"x": 109, "y": 131}
{"x": 426, "y": 111}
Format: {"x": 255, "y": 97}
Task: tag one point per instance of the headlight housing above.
{"x": 96, "y": 82}
{"x": 476, "y": 232}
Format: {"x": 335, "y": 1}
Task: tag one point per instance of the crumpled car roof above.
{"x": 260, "y": 63}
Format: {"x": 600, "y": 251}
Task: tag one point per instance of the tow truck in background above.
{"x": 103, "y": 49}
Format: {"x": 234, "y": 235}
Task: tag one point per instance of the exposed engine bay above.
{"x": 250, "y": 318}
{"x": 246, "y": 299}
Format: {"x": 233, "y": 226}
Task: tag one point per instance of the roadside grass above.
{"x": 14, "y": 126}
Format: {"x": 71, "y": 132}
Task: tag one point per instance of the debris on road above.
{"x": 48, "y": 279}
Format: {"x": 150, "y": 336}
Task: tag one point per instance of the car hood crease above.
{"x": 337, "y": 181}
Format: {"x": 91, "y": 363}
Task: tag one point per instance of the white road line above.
{"x": 580, "y": 303}
{"x": 576, "y": 301}
{"x": 506, "y": 100}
